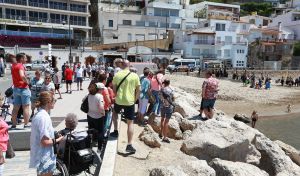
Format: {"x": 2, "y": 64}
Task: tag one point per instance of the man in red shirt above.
{"x": 69, "y": 78}
{"x": 22, "y": 93}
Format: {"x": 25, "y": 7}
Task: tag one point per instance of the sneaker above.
{"x": 130, "y": 149}
{"x": 13, "y": 127}
{"x": 166, "y": 140}
{"x": 160, "y": 136}
{"x": 26, "y": 126}
{"x": 70, "y": 92}
{"x": 66, "y": 92}
{"x": 114, "y": 134}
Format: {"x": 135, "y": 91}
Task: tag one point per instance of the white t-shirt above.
{"x": 96, "y": 106}
{"x": 79, "y": 72}
{"x": 117, "y": 69}
{"x": 49, "y": 87}
{"x": 41, "y": 126}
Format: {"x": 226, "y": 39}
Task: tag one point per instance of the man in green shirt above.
{"x": 126, "y": 86}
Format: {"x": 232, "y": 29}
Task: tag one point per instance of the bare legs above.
{"x": 130, "y": 131}
{"x": 164, "y": 125}
{"x": 26, "y": 109}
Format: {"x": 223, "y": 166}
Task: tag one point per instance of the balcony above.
{"x": 33, "y": 34}
{"x": 208, "y": 56}
{"x": 78, "y": 23}
{"x": 36, "y": 4}
{"x": 204, "y": 42}
{"x": 17, "y": 2}
{"x": 58, "y": 7}
{"x": 77, "y": 9}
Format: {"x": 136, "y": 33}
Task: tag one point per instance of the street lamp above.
{"x": 70, "y": 41}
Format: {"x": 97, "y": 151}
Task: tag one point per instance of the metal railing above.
{"x": 77, "y": 9}
{"x": 204, "y": 42}
{"x": 17, "y": 2}
{"x": 209, "y": 55}
{"x": 36, "y": 4}
{"x": 78, "y": 23}
{"x": 33, "y": 34}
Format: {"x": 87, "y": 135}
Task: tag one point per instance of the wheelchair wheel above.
{"x": 94, "y": 168}
{"x": 61, "y": 169}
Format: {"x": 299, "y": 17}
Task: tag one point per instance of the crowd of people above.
{"x": 289, "y": 81}
{"x": 111, "y": 91}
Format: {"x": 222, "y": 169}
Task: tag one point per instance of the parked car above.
{"x": 37, "y": 65}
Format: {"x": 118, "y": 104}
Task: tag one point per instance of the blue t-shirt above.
{"x": 145, "y": 86}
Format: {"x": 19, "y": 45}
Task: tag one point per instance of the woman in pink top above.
{"x": 3, "y": 142}
{"x": 156, "y": 84}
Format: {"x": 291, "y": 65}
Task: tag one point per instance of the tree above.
{"x": 296, "y": 49}
{"x": 263, "y": 9}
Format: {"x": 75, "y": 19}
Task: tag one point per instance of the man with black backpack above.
{"x": 126, "y": 86}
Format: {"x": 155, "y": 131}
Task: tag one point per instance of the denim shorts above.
{"x": 208, "y": 104}
{"x": 22, "y": 96}
{"x": 166, "y": 112}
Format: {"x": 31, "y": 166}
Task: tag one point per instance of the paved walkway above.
{"x": 70, "y": 103}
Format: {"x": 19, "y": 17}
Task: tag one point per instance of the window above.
{"x": 58, "y": 5}
{"x": 164, "y": 25}
{"x": 110, "y": 23}
{"x": 237, "y": 51}
{"x": 152, "y": 24}
{"x": 219, "y": 53}
{"x": 175, "y": 26}
{"x": 38, "y": 16}
{"x": 127, "y": 22}
{"x": 218, "y": 39}
{"x": 228, "y": 39}
{"x": 139, "y": 37}
{"x": 55, "y": 18}
{"x": 129, "y": 37}
{"x": 238, "y": 39}
{"x": 227, "y": 53}
{"x": 220, "y": 27}
{"x": 195, "y": 52}
{"x": 244, "y": 27}
{"x": 140, "y": 23}
{"x": 174, "y": 13}
{"x": 77, "y": 8}
{"x": 15, "y": 14}
{"x": 78, "y": 20}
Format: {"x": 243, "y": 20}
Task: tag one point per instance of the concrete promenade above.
{"x": 70, "y": 103}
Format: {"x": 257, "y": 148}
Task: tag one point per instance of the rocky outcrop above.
{"x": 198, "y": 168}
{"x": 167, "y": 171}
{"x": 229, "y": 168}
{"x": 186, "y": 104}
{"x": 186, "y": 134}
{"x": 273, "y": 159}
{"x": 222, "y": 138}
{"x": 174, "y": 131}
{"x": 242, "y": 118}
{"x": 186, "y": 124}
{"x": 149, "y": 137}
{"x": 290, "y": 151}
{"x": 189, "y": 168}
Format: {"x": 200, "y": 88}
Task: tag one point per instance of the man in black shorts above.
{"x": 126, "y": 86}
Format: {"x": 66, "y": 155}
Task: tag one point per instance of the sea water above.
{"x": 284, "y": 129}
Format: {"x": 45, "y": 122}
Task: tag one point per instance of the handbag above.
{"x": 85, "y": 105}
{"x": 10, "y": 153}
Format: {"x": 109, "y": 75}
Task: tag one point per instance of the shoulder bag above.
{"x": 122, "y": 81}
{"x": 85, "y": 105}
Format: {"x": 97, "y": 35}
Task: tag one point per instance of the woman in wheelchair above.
{"x": 71, "y": 122}
{"x": 42, "y": 139}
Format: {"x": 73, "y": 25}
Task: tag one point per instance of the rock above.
{"x": 242, "y": 118}
{"x": 273, "y": 159}
{"x": 149, "y": 137}
{"x": 186, "y": 134}
{"x": 167, "y": 171}
{"x": 174, "y": 131}
{"x": 178, "y": 117}
{"x": 186, "y": 124}
{"x": 198, "y": 168}
{"x": 290, "y": 151}
{"x": 222, "y": 138}
{"x": 229, "y": 168}
{"x": 185, "y": 104}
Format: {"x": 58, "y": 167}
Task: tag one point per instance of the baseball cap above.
{"x": 100, "y": 85}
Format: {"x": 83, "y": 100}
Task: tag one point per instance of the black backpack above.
{"x": 85, "y": 105}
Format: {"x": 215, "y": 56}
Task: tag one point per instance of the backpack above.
{"x": 85, "y": 105}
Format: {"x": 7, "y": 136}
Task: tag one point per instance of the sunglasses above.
{"x": 47, "y": 78}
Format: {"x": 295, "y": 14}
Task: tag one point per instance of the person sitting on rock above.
{"x": 254, "y": 118}
{"x": 167, "y": 99}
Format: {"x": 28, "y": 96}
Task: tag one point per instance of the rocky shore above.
{"x": 221, "y": 146}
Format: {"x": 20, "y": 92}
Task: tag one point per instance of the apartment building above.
{"x": 122, "y": 23}
{"x": 44, "y": 18}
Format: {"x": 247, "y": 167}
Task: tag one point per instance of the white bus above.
{"x": 185, "y": 62}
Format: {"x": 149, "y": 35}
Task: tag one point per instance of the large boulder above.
{"x": 149, "y": 137}
{"x": 242, "y": 118}
{"x": 222, "y": 138}
{"x": 290, "y": 151}
{"x": 174, "y": 131}
{"x": 186, "y": 124}
{"x": 229, "y": 168}
{"x": 167, "y": 171}
{"x": 186, "y": 104}
{"x": 198, "y": 168}
{"x": 273, "y": 159}
{"x": 186, "y": 134}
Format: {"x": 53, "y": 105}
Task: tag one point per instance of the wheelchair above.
{"x": 78, "y": 156}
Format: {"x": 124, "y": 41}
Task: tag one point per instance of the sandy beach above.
{"x": 235, "y": 98}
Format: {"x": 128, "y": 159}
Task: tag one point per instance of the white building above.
{"x": 119, "y": 24}
{"x": 215, "y": 34}
{"x": 257, "y": 20}
{"x": 290, "y": 20}
{"x": 44, "y": 18}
